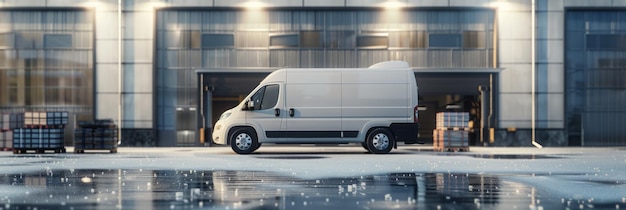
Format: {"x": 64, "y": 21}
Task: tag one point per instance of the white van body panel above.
{"x": 328, "y": 105}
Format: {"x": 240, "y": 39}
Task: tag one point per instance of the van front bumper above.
{"x": 219, "y": 134}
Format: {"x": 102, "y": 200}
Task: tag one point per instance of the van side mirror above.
{"x": 249, "y": 105}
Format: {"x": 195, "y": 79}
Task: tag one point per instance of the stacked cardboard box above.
{"x": 95, "y": 135}
{"x": 452, "y": 131}
{"x": 445, "y": 120}
{"x": 55, "y": 119}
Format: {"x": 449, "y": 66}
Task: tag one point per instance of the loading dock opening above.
{"x": 469, "y": 90}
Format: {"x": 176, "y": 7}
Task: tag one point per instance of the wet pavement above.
{"x": 311, "y": 178}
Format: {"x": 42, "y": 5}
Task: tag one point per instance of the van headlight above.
{"x": 225, "y": 115}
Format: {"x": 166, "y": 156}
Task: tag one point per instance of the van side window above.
{"x": 266, "y": 97}
{"x": 270, "y": 97}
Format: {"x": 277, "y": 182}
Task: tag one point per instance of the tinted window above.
{"x": 288, "y": 40}
{"x": 444, "y": 40}
{"x": 372, "y": 41}
{"x": 217, "y": 40}
{"x": 52, "y": 41}
{"x": 266, "y": 97}
{"x": 270, "y": 98}
{"x": 257, "y": 98}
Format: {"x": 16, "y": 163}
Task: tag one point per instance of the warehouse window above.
{"x": 311, "y": 39}
{"x": 438, "y": 40}
{"x": 373, "y": 41}
{"x": 606, "y": 42}
{"x": 218, "y": 41}
{"x": 474, "y": 40}
{"x": 284, "y": 40}
{"x": 56, "y": 41}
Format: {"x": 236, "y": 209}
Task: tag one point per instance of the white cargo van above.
{"x": 375, "y": 106}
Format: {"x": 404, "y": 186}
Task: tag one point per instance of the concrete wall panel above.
{"x": 514, "y": 51}
{"x": 550, "y": 51}
{"x": 107, "y": 78}
{"x": 139, "y": 25}
{"x": 108, "y": 106}
{"x": 138, "y": 78}
{"x": 138, "y": 110}
{"x": 106, "y": 51}
{"x": 515, "y": 110}
{"x": 514, "y": 25}
{"x": 106, "y": 25}
{"x": 515, "y": 78}
{"x": 138, "y": 51}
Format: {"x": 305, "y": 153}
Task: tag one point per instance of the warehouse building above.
{"x": 549, "y": 71}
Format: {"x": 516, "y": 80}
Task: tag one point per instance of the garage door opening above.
{"x": 457, "y": 91}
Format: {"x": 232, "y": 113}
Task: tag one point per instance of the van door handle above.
{"x": 277, "y": 112}
{"x": 291, "y": 112}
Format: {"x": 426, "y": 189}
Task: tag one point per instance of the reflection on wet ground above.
{"x": 167, "y": 189}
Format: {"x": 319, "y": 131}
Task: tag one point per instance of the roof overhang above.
{"x": 416, "y": 70}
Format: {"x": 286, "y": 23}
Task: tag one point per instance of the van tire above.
{"x": 380, "y": 141}
{"x": 244, "y": 141}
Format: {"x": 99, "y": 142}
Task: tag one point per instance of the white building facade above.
{"x": 166, "y": 69}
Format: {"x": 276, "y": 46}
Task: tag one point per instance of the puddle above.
{"x": 168, "y": 189}
{"x": 527, "y": 157}
{"x": 291, "y": 157}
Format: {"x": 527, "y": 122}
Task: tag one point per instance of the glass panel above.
{"x": 606, "y": 42}
{"x": 311, "y": 39}
{"x": 474, "y": 39}
{"x": 595, "y": 53}
{"x": 287, "y": 40}
{"x": 270, "y": 98}
{"x": 372, "y": 41}
{"x": 218, "y": 40}
{"x": 444, "y": 40}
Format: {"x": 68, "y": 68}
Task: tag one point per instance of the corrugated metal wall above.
{"x": 308, "y": 38}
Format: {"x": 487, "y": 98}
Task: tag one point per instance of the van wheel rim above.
{"x": 243, "y": 141}
{"x": 380, "y": 141}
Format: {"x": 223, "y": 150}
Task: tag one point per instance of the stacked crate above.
{"x": 38, "y": 139}
{"x": 38, "y": 131}
{"x": 6, "y": 134}
{"x": 95, "y": 135}
{"x": 451, "y": 132}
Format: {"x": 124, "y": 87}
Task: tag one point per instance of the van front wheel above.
{"x": 244, "y": 141}
{"x": 380, "y": 141}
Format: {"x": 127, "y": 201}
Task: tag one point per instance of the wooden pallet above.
{"x": 38, "y": 150}
{"x": 77, "y": 151}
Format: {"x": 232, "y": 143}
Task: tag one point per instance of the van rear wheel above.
{"x": 380, "y": 141}
{"x": 244, "y": 141}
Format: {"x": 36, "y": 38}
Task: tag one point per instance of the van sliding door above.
{"x": 314, "y": 106}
